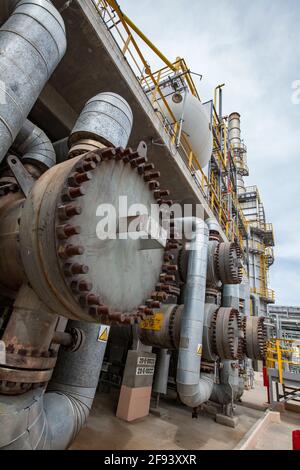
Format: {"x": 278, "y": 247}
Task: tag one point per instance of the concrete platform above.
{"x": 175, "y": 431}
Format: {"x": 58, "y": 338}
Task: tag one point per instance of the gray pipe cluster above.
{"x": 51, "y": 420}
{"x": 231, "y": 386}
{"x": 32, "y": 43}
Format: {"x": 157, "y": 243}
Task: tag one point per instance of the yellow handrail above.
{"x": 151, "y": 81}
{"x": 278, "y": 349}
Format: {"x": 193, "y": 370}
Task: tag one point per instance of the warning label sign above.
{"x": 103, "y": 333}
{"x": 153, "y": 323}
{"x": 144, "y": 370}
{"x": 199, "y": 350}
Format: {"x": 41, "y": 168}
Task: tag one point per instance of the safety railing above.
{"x": 269, "y": 254}
{"x": 264, "y": 293}
{"x": 256, "y": 247}
{"x": 125, "y": 32}
{"x": 283, "y": 354}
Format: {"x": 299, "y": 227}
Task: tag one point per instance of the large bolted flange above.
{"x": 68, "y": 263}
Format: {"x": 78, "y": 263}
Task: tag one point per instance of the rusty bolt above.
{"x": 93, "y": 157}
{"x": 137, "y": 162}
{"x": 66, "y": 231}
{"x": 153, "y": 185}
{"x": 70, "y": 194}
{"x": 159, "y": 295}
{"x": 127, "y": 152}
{"x": 75, "y": 268}
{"x": 81, "y": 286}
{"x": 167, "y": 278}
{"x": 84, "y": 166}
{"x": 108, "y": 154}
{"x": 78, "y": 178}
{"x": 151, "y": 175}
{"x": 68, "y": 211}
{"x": 170, "y": 268}
{"x": 68, "y": 251}
{"x": 148, "y": 311}
{"x": 149, "y": 167}
{"x": 117, "y": 317}
{"x": 90, "y": 300}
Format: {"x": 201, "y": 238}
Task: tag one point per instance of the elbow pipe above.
{"x": 34, "y": 147}
{"x": 193, "y": 388}
{"x": 105, "y": 121}
{"x": 51, "y": 420}
{"x": 32, "y": 43}
{"x": 231, "y": 386}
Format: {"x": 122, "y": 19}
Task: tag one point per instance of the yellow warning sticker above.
{"x": 153, "y": 323}
{"x": 199, "y": 350}
{"x": 103, "y": 333}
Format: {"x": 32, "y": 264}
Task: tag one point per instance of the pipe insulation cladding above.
{"x": 32, "y": 43}
{"x": 193, "y": 388}
{"x": 33, "y": 146}
{"x": 51, "y": 420}
{"x": 106, "y": 118}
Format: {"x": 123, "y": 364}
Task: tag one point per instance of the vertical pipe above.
{"x": 32, "y": 43}
{"x": 192, "y": 388}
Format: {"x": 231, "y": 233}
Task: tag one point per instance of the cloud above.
{"x": 252, "y": 47}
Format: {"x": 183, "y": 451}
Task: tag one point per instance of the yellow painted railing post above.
{"x": 175, "y": 133}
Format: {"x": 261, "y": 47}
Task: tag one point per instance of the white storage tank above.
{"x": 196, "y": 124}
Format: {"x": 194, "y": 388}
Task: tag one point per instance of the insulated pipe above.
{"x": 192, "y": 388}
{"x": 231, "y": 296}
{"x": 234, "y": 126}
{"x": 161, "y": 376}
{"x": 32, "y": 43}
{"x": 72, "y": 389}
{"x": 34, "y": 146}
{"x": 51, "y": 420}
{"x": 213, "y": 225}
{"x": 231, "y": 387}
{"x": 106, "y": 119}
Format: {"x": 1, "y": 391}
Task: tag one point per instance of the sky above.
{"x": 254, "y": 48}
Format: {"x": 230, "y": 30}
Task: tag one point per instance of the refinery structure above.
{"x": 84, "y": 123}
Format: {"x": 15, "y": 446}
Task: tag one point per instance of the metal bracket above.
{"x": 24, "y": 179}
{"x": 142, "y": 149}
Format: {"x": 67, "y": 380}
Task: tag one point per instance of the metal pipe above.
{"x": 106, "y": 119}
{"x": 33, "y": 145}
{"x": 32, "y": 43}
{"x": 231, "y": 386}
{"x": 192, "y": 388}
{"x": 160, "y": 382}
{"x": 231, "y": 297}
{"x": 51, "y": 420}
